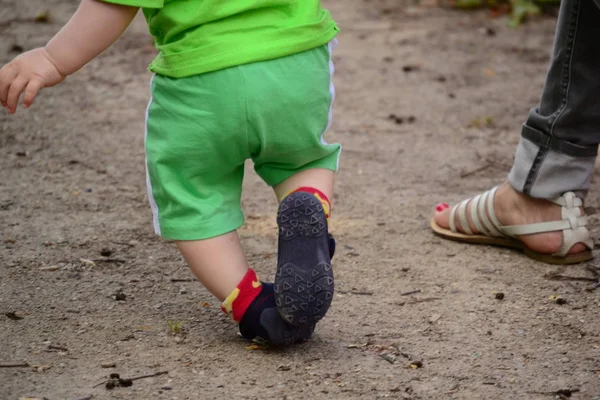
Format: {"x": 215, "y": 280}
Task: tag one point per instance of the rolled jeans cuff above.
{"x": 546, "y": 167}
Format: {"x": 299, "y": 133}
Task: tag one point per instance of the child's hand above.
{"x": 28, "y": 73}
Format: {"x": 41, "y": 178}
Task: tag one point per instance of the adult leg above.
{"x": 560, "y": 139}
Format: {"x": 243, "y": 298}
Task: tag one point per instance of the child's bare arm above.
{"x": 92, "y": 29}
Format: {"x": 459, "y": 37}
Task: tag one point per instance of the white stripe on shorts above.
{"x": 331, "y": 47}
{"x": 148, "y": 183}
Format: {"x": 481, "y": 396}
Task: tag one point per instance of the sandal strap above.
{"x": 492, "y": 221}
{"x": 483, "y": 217}
{"x": 481, "y": 213}
{"x": 462, "y": 216}
{"x": 543, "y": 227}
{"x": 573, "y": 225}
{"x": 578, "y": 233}
{"x": 475, "y": 215}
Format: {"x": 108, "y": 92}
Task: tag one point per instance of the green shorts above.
{"x": 200, "y": 130}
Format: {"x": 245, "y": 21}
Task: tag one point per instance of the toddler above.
{"x": 234, "y": 80}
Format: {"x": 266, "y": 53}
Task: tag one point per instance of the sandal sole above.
{"x": 510, "y": 243}
{"x": 304, "y": 283}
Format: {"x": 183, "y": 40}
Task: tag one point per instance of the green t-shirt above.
{"x": 198, "y": 36}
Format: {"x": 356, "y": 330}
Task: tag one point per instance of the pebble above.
{"x": 108, "y": 365}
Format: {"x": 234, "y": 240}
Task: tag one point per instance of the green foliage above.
{"x": 518, "y": 10}
{"x": 176, "y": 327}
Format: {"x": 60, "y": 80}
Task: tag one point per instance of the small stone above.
{"x": 388, "y": 357}
{"x": 120, "y": 296}
{"x": 560, "y": 301}
{"x": 283, "y": 368}
{"x": 499, "y": 296}
{"x": 564, "y": 360}
{"x": 487, "y": 31}
{"x": 182, "y": 291}
{"x": 410, "y": 68}
{"x": 108, "y": 365}
{"x": 125, "y": 382}
{"x": 106, "y": 252}
{"x": 434, "y": 318}
{"x": 166, "y": 388}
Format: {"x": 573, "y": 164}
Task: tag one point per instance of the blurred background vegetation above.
{"x": 517, "y": 10}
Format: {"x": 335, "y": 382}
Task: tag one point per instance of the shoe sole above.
{"x": 304, "y": 280}
{"x": 284, "y": 335}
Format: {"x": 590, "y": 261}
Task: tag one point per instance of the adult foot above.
{"x": 514, "y": 208}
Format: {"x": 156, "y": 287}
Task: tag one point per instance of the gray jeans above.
{"x": 559, "y": 141}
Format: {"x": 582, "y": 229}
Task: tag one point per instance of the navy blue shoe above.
{"x": 331, "y": 246}
{"x": 304, "y": 279}
{"x": 263, "y": 322}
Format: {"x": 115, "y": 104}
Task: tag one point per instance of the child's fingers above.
{"x": 7, "y": 75}
{"x": 14, "y": 92}
{"x": 31, "y": 91}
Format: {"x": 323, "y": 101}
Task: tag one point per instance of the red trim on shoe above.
{"x": 319, "y": 195}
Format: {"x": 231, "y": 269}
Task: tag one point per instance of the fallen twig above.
{"x": 134, "y": 379}
{"x": 15, "y": 365}
{"x": 425, "y": 300}
{"x": 358, "y": 293}
{"x": 558, "y": 277}
{"x": 411, "y": 292}
{"x": 473, "y": 172}
{"x": 122, "y": 243}
{"x": 109, "y": 260}
{"x": 59, "y": 348}
{"x": 150, "y": 375}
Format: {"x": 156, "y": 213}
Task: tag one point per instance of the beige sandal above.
{"x": 492, "y": 232}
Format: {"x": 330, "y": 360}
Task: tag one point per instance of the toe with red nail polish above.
{"x": 441, "y": 207}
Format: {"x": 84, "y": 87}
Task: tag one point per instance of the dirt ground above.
{"x": 75, "y": 229}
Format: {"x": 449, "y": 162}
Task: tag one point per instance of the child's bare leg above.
{"x": 304, "y": 279}
{"x": 321, "y": 179}
{"x": 219, "y": 263}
